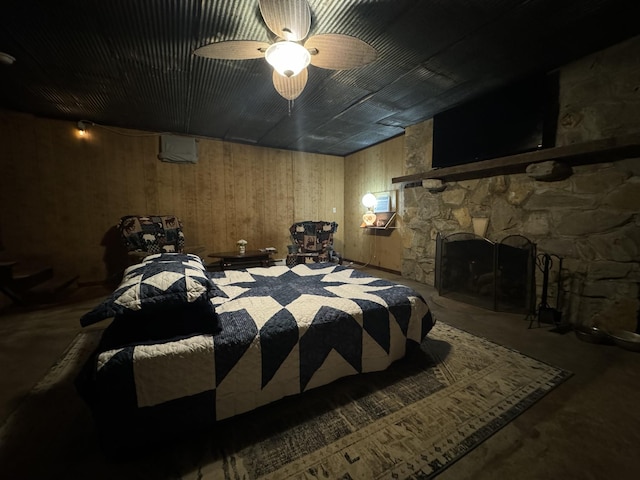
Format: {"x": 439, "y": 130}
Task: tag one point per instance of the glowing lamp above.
{"x": 369, "y": 201}
{"x": 288, "y": 58}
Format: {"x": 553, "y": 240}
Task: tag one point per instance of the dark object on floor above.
{"x": 548, "y": 314}
{"x": 592, "y": 335}
{"x": 626, "y": 340}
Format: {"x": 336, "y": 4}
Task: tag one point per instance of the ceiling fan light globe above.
{"x": 288, "y": 58}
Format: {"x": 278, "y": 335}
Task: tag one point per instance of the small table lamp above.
{"x": 369, "y": 201}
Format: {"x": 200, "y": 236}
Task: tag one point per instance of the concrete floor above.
{"x": 587, "y": 428}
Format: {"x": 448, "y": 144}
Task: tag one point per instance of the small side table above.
{"x": 250, "y": 258}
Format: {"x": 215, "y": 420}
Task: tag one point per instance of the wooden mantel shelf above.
{"x": 595, "y": 151}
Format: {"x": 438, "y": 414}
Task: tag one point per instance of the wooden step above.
{"x": 51, "y": 291}
{"x": 26, "y": 277}
{"x": 6, "y": 270}
{"x": 27, "y": 282}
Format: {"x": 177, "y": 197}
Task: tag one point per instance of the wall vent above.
{"x": 177, "y": 149}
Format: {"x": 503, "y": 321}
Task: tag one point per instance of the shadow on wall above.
{"x": 115, "y": 256}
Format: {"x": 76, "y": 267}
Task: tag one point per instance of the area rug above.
{"x": 409, "y": 422}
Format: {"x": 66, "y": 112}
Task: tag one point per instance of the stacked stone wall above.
{"x": 591, "y": 218}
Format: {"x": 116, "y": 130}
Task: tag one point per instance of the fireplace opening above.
{"x": 497, "y": 276}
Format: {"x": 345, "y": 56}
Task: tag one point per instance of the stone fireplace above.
{"x": 590, "y": 220}
{"x": 589, "y": 217}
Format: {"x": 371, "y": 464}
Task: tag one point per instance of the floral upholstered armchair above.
{"x": 146, "y": 235}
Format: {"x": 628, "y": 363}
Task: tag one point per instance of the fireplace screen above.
{"x": 496, "y": 276}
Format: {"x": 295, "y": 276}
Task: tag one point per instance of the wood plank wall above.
{"x": 61, "y": 195}
{"x": 371, "y": 170}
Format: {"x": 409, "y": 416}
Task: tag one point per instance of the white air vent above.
{"x": 176, "y": 149}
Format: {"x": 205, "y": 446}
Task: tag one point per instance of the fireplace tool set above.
{"x": 545, "y": 312}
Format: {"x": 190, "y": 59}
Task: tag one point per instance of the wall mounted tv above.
{"x": 519, "y": 118}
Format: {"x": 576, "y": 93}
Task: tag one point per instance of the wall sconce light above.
{"x": 82, "y": 128}
{"x": 369, "y": 201}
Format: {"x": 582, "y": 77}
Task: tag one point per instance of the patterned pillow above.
{"x": 159, "y": 281}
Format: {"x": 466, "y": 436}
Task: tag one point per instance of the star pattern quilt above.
{"x": 281, "y": 332}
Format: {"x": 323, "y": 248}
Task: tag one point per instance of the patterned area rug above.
{"x": 411, "y": 421}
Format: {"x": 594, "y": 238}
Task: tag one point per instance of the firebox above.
{"x": 497, "y": 276}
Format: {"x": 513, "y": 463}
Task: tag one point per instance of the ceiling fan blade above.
{"x": 339, "y": 52}
{"x": 233, "y": 50}
{"x": 290, "y": 87}
{"x": 288, "y": 19}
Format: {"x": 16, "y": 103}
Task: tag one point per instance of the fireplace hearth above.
{"x": 497, "y": 276}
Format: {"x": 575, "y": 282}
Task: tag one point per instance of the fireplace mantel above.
{"x": 595, "y": 151}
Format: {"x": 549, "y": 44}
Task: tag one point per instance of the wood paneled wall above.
{"x": 371, "y": 170}
{"x": 61, "y": 195}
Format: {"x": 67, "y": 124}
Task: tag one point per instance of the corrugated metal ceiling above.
{"x": 130, "y": 63}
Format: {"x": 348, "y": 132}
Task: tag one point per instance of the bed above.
{"x": 187, "y": 348}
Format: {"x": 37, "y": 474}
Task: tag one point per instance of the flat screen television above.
{"x": 519, "y": 118}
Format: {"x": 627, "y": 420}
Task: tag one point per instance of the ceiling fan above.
{"x": 290, "y": 21}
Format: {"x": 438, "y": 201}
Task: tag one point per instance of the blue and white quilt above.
{"x": 280, "y": 332}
